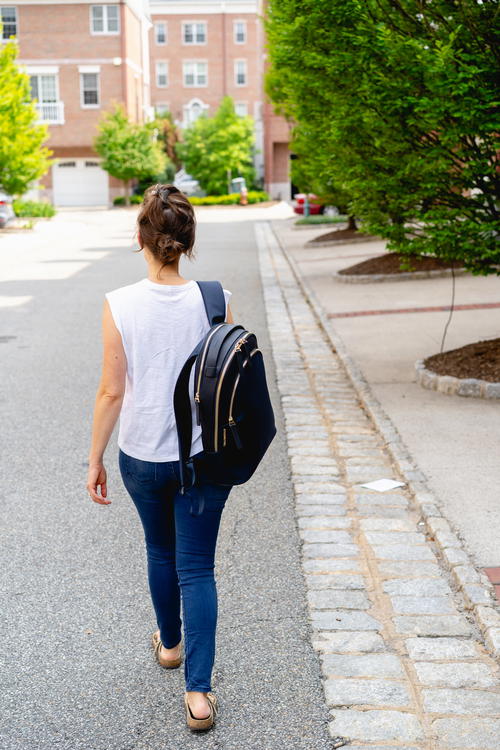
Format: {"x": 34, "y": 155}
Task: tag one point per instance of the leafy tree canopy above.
{"x": 128, "y": 149}
{"x": 396, "y": 102}
{"x": 23, "y": 159}
{"x": 214, "y": 145}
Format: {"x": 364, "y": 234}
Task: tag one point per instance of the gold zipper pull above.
{"x": 197, "y": 407}
{"x": 240, "y": 343}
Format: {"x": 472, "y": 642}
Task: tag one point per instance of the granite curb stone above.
{"x": 421, "y": 492}
{"x": 452, "y": 386}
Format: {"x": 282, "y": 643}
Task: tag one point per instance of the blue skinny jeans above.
{"x": 180, "y": 547}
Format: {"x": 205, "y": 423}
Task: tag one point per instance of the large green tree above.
{"x": 23, "y": 159}
{"x": 214, "y": 146}
{"x": 129, "y": 150}
{"x": 401, "y": 95}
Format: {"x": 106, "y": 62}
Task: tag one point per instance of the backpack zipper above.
{"x": 203, "y": 357}
{"x": 232, "y": 423}
{"x": 231, "y": 419}
{"x": 219, "y": 385}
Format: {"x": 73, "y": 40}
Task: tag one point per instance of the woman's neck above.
{"x": 166, "y": 275}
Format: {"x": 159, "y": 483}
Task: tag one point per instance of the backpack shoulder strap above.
{"x": 214, "y": 300}
{"x": 183, "y": 418}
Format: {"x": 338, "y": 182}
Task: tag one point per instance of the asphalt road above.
{"x": 78, "y": 672}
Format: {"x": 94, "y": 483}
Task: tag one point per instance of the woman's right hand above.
{"x": 97, "y": 479}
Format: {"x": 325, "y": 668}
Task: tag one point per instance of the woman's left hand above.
{"x": 97, "y": 478}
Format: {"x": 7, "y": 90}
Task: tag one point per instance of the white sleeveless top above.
{"x": 160, "y": 324}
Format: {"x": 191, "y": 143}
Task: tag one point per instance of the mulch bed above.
{"x": 391, "y": 263}
{"x": 479, "y": 360}
{"x": 336, "y": 236}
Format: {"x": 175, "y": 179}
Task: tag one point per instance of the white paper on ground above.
{"x": 382, "y": 485}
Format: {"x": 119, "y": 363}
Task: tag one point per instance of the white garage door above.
{"x": 80, "y": 182}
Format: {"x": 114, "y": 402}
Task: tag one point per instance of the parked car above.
{"x": 315, "y": 204}
{"x": 187, "y": 184}
{"x": 6, "y": 210}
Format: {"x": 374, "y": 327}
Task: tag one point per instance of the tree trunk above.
{"x": 127, "y": 192}
{"x": 352, "y": 223}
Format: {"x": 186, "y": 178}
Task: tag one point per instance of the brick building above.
{"x": 81, "y": 56}
{"x": 180, "y": 55}
{"x": 202, "y": 50}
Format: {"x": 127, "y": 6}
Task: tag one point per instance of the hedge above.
{"x": 134, "y": 200}
{"x": 32, "y": 208}
{"x": 254, "y": 196}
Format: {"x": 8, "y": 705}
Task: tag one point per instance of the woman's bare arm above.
{"x": 107, "y": 406}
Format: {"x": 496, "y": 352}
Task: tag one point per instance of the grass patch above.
{"x": 320, "y": 219}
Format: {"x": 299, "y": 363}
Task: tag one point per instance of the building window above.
{"x": 8, "y": 17}
{"x": 195, "y": 73}
{"x": 240, "y": 32}
{"x": 104, "y": 19}
{"x": 161, "y": 109}
{"x": 240, "y": 72}
{"x": 161, "y": 32}
{"x": 162, "y": 74}
{"x": 44, "y": 88}
{"x": 241, "y": 109}
{"x": 194, "y": 33}
{"x": 89, "y": 84}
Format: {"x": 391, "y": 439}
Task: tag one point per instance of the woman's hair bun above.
{"x": 167, "y": 223}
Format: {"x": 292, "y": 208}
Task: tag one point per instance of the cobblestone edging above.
{"x": 479, "y": 599}
{"x": 402, "y": 659}
{"x": 472, "y": 387}
{"x": 368, "y": 278}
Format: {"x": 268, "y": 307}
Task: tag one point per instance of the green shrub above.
{"x": 254, "y": 196}
{"x": 33, "y": 208}
{"x": 134, "y": 200}
{"x": 257, "y": 196}
{"x": 321, "y": 219}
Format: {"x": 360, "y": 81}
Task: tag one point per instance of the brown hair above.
{"x": 167, "y": 224}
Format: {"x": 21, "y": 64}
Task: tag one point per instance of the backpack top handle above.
{"x": 214, "y": 301}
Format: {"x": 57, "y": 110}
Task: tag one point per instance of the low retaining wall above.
{"x": 471, "y": 387}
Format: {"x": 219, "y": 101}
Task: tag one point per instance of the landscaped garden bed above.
{"x": 471, "y": 370}
{"x": 387, "y": 267}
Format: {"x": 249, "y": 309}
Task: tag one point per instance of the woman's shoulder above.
{"x": 128, "y": 290}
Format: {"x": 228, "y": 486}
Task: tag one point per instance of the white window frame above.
{"x": 236, "y": 64}
{"x": 187, "y": 119}
{"x": 243, "y": 22}
{"x": 165, "y": 26}
{"x": 48, "y": 70}
{"x": 40, "y": 73}
{"x": 105, "y": 31}
{"x": 16, "y": 14}
{"x": 93, "y": 70}
{"x": 165, "y": 106}
{"x": 157, "y": 74}
{"x": 196, "y": 84}
{"x": 193, "y": 23}
{"x": 241, "y": 104}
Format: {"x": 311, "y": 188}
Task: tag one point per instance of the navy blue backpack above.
{"x": 231, "y": 398}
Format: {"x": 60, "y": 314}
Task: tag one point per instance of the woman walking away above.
{"x": 149, "y": 330}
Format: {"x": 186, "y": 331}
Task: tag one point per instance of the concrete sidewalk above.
{"x": 454, "y": 440}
